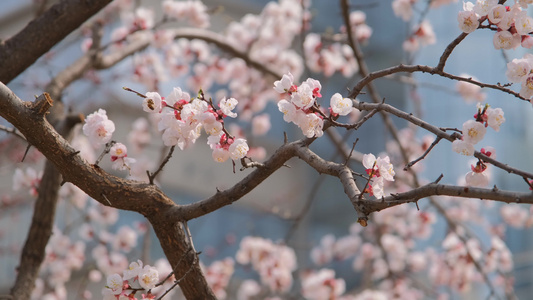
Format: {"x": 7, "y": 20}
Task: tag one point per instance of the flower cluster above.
{"x": 513, "y": 23}
{"x": 141, "y": 19}
{"x": 479, "y": 176}
{"x": 519, "y": 71}
{"x": 65, "y": 254}
{"x": 330, "y": 57}
{"x": 273, "y": 262}
{"x": 266, "y": 37}
{"x": 457, "y": 266}
{"x": 119, "y": 157}
{"x": 388, "y": 245}
{"x": 378, "y": 170}
{"x": 517, "y": 216}
{"x": 98, "y": 128}
{"x": 302, "y": 108}
{"x": 328, "y": 60}
{"x": 470, "y": 92}
{"x": 182, "y": 120}
{"x": 62, "y": 257}
{"x": 360, "y": 29}
{"x": 194, "y": 12}
{"x": 218, "y": 275}
{"x": 423, "y": 35}
{"x": 135, "y": 277}
{"x": 404, "y": 8}
{"x": 27, "y": 180}
{"x": 248, "y": 289}
{"x": 322, "y": 285}
{"x": 474, "y": 130}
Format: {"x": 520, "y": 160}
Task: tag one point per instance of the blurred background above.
{"x": 275, "y": 209}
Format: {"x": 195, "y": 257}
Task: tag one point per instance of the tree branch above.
{"x": 424, "y": 69}
{"x": 437, "y": 131}
{"x": 434, "y": 189}
{"x": 338, "y": 170}
{"x": 13, "y": 131}
{"x": 41, "y": 34}
{"x": 363, "y": 72}
{"x": 448, "y": 51}
{"x": 143, "y": 198}
{"x": 33, "y": 252}
{"x": 88, "y": 61}
{"x": 246, "y": 185}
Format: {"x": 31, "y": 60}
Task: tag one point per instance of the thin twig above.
{"x": 530, "y": 184}
{"x": 477, "y": 264}
{"x": 251, "y": 164}
{"x": 106, "y": 150}
{"x": 368, "y": 181}
{"x": 103, "y": 195}
{"x": 176, "y": 283}
{"x": 449, "y": 49}
{"x": 152, "y": 176}
{"x": 438, "y": 132}
{"x": 340, "y": 144}
{"x": 316, "y": 185}
{"x": 191, "y": 248}
{"x": 133, "y": 91}
{"x": 309, "y": 201}
{"x": 189, "y": 235}
{"x": 450, "y": 129}
{"x": 365, "y": 118}
{"x": 166, "y": 278}
{"x": 412, "y": 163}
{"x": 370, "y": 77}
{"x": 351, "y": 152}
{"x": 26, "y": 152}
{"x": 364, "y": 72}
{"x": 13, "y": 131}
{"x": 355, "y": 126}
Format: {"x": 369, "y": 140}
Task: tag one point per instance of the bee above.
{"x": 150, "y": 103}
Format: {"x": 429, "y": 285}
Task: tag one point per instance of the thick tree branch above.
{"x": 277, "y": 160}
{"x": 33, "y": 252}
{"x": 338, "y": 170}
{"x": 143, "y": 198}
{"x": 182, "y": 257}
{"x": 246, "y": 185}
{"x": 40, "y": 35}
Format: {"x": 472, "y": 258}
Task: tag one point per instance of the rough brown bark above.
{"x": 181, "y": 256}
{"x": 33, "y": 252}
{"x": 41, "y": 34}
{"x": 40, "y": 231}
{"x": 143, "y": 198}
